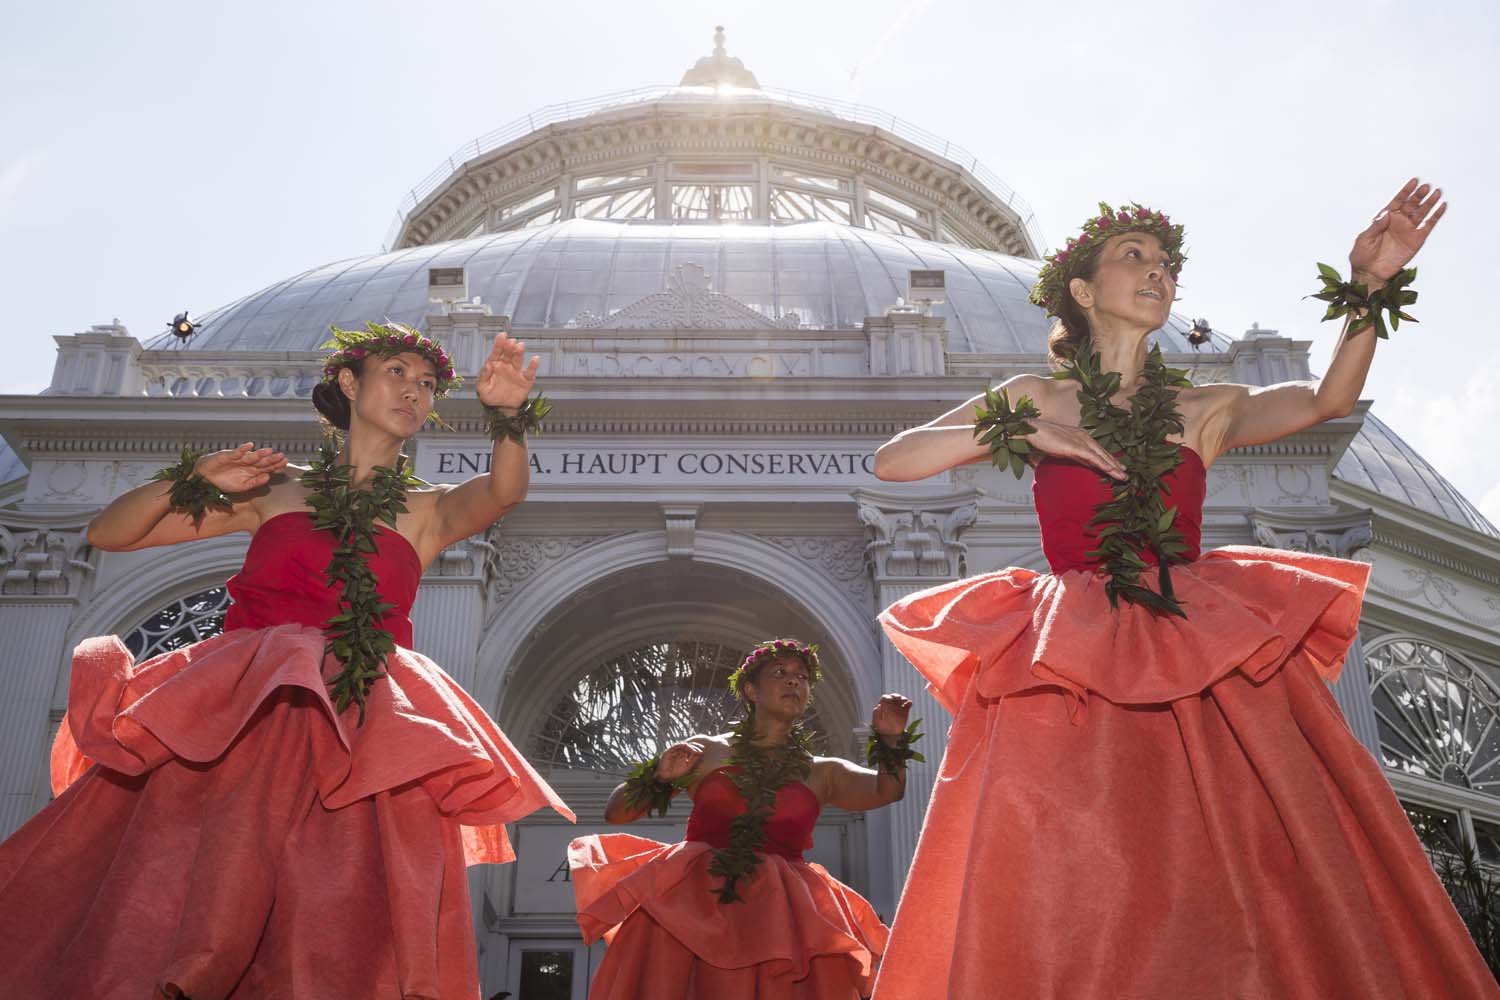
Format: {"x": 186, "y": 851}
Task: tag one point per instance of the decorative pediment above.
{"x": 687, "y": 303}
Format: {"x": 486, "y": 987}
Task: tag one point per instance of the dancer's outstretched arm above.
{"x": 859, "y": 788}
{"x": 142, "y": 517}
{"x": 949, "y": 440}
{"x": 504, "y": 382}
{"x": 1246, "y": 415}
{"x": 675, "y": 763}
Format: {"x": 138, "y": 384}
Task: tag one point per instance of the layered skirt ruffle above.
{"x": 221, "y": 831}
{"x": 1134, "y": 806}
{"x": 799, "y": 934}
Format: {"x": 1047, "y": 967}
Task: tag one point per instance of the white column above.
{"x": 41, "y": 572}
{"x": 913, "y": 546}
{"x": 449, "y": 610}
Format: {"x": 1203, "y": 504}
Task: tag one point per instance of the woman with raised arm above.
{"x": 1148, "y": 790}
{"x": 733, "y": 912}
{"x": 287, "y": 809}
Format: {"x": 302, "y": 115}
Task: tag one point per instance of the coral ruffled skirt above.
{"x": 225, "y": 833}
{"x": 1144, "y": 807}
{"x": 799, "y": 934}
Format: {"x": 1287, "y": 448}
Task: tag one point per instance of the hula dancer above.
{"x": 733, "y": 911}
{"x": 1148, "y": 790}
{"x": 286, "y": 809}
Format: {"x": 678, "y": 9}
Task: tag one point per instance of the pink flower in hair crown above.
{"x": 1078, "y": 252}
{"x": 386, "y": 340}
{"x": 771, "y": 650}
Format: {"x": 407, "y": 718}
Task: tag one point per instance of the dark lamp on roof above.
{"x": 182, "y": 328}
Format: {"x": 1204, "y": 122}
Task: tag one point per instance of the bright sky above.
{"x": 171, "y": 155}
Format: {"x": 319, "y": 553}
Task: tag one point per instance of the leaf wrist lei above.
{"x": 191, "y": 493}
{"x": 763, "y": 770}
{"x": 354, "y": 634}
{"x": 1003, "y": 429}
{"x": 515, "y": 426}
{"x": 646, "y": 793}
{"x": 1135, "y": 519}
{"x": 1354, "y": 298}
{"x": 892, "y": 757}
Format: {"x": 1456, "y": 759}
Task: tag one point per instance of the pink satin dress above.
{"x": 221, "y": 830}
{"x": 799, "y": 934}
{"x": 1144, "y": 807}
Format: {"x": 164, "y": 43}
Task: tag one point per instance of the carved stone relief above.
{"x": 842, "y": 558}
{"x": 43, "y": 562}
{"x": 512, "y": 560}
{"x": 917, "y": 543}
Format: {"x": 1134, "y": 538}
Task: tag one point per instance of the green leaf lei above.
{"x": 646, "y": 792}
{"x": 892, "y": 758}
{"x": 191, "y": 494}
{"x": 528, "y": 417}
{"x": 1135, "y": 519}
{"x": 1345, "y": 297}
{"x": 354, "y": 633}
{"x": 1002, "y": 429}
{"x": 763, "y": 770}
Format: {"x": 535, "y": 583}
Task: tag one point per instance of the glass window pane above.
{"x": 546, "y": 975}
{"x": 635, "y": 203}
{"x": 179, "y": 624}
{"x": 811, "y": 180}
{"x": 1488, "y": 836}
{"x": 610, "y": 179}
{"x": 526, "y": 204}
{"x": 712, "y": 202}
{"x": 895, "y": 207}
{"x": 1437, "y": 829}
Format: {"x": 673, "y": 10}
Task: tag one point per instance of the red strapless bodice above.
{"x": 1066, "y": 493}
{"x": 716, "y": 802}
{"x": 284, "y": 578}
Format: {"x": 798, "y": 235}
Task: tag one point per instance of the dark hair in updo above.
{"x": 1071, "y": 328}
{"x": 331, "y": 403}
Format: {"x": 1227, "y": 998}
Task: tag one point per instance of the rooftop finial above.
{"x": 720, "y": 69}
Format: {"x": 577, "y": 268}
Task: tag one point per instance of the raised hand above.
{"x": 678, "y": 760}
{"x": 1067, "y": 441}
{"x": 504, "y": 379}
{"x": 888, "y": 719}
{"x": 1390, "y": 242}
{"x": 241, "y": 469}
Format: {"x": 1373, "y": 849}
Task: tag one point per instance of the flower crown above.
{"x": 772, "y": 650}
{"x": 384, "y": 340}
{"x": 1060, "y": 267}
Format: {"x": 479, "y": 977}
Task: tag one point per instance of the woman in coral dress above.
{"x": 733, "y": 912}
{"x": 285, "y": 810}
{"x": 1148, "y": 791}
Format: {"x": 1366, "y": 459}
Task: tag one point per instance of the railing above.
{"x": 861, "y": 114}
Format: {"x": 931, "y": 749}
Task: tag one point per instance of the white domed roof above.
{"x": 829, "y": 276}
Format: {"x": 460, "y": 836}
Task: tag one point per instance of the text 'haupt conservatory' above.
{"x": 719, "y": 280}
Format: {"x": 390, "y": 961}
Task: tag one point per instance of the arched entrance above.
{"x": 632, "y": 656}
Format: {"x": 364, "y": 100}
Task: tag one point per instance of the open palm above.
{"x": 241, "y": 469}
{"x": 504, "y": 379}
{"x": 1398, "y": 232}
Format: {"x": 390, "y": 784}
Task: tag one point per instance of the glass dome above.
{"x": 828, "y": 276}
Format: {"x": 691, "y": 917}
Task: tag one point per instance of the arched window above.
{"x": 181, "y": 623}
{"x": 1439, "y": 716}
{"x": 628, "y": 708}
